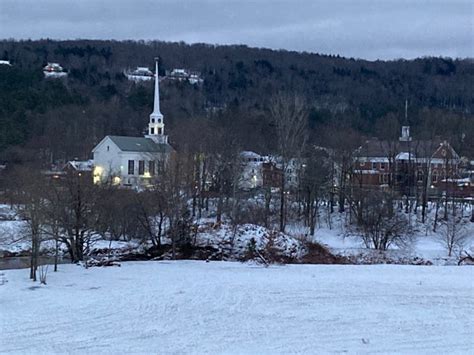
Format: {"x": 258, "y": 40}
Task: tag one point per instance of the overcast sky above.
{"x": 380, "y": 29}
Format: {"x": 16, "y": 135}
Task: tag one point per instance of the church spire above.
{"x": 156, "y": 105}
{"x": 156, "y": 127}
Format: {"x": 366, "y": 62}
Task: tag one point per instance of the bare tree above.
{"x": 77, "y": 216}
{"x": 453, "y": 232}
{"x": 315, "y": 183}
{"x": 290, "y": 117}
{"x": 30, "y": 205}
{"x": 378, "y": 223}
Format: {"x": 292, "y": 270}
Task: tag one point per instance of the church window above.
{"x": 141, "y": 167}
{"x": 131, "y": 167}
{"x": 159, "y": 130}
{"x": 159, "y": 120}
{"x": 152, "y": 120}
{"x": 108, "y": 148}
{"x": 152, "y": 130}
{"x": 151, "y": 167}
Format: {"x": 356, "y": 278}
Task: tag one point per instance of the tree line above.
{"x": 202, "y": 180}
{"x": 48, "y": 120}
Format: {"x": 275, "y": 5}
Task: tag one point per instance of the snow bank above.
{"x": 234, "y": 243}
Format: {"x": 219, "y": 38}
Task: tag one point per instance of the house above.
{"x": 54, "y": 70}
{"x": 80, "y": 167}
{"x": 265, "y": 171}
{"x": 405, "y": 164}
{"x": 251, "y": 174}
{"x": 140, "y": 74}
{"x": 271, "y": 175}
{"x": 134, "y": 161}
{"x": 192, "y": 77}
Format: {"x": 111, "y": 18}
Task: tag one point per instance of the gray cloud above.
{"x": 383, "y": 29}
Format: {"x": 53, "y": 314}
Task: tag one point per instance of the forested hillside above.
{"x": 44, "y": 119}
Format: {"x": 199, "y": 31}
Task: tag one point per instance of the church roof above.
{"x": 140, "y": 144}
{"x": 382, "y": 148}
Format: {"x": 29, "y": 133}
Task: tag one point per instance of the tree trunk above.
{"x": 282, "y": 203}
{"x": 268, "y": 199}
{"x": 56, "y": 252}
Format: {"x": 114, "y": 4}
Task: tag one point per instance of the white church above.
{"x": 134, "y": 161}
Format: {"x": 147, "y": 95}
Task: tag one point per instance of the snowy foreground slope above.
{"x": 219, "y": 307}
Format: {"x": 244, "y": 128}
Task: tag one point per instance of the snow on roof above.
{"x": 5, "y": 62}
{"x": 405, "y": 156}
{"x": 249, "y": 154}
{"x": 81, "y": 165}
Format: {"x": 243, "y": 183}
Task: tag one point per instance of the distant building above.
{"x": 54, "y": 70}
{"x": 5, "y": 62}
{"x": 405, "y": 164}
{"x": 266, "y": 171}
{"x": 140, "y": 74}
{"x": 134, "y": 161}
{"x": 192, "y": 77}
{"x": 79, "y": 166}
{"x": 251, "y": 173}
{"x": 271, "y": 174}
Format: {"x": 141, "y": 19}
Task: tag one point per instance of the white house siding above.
{"x": 111, "y": 163}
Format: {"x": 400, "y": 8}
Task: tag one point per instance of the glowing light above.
{"x": 97, "y": 174}
{"x": 147, "y": 175}
{"x": 116, "y": 180}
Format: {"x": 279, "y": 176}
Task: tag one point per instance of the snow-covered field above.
{"x": 222, "y": 307}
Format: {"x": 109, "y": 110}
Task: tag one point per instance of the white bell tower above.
{"x": 156, "y": 126}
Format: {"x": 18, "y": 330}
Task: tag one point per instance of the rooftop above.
{"x": 140, "y": 144}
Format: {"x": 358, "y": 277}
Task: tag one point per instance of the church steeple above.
{"x": 156, "y": 126}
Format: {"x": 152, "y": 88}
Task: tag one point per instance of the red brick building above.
{"x": 407, "y": 164}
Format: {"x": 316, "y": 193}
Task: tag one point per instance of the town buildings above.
{"x": 408, "y": 165}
